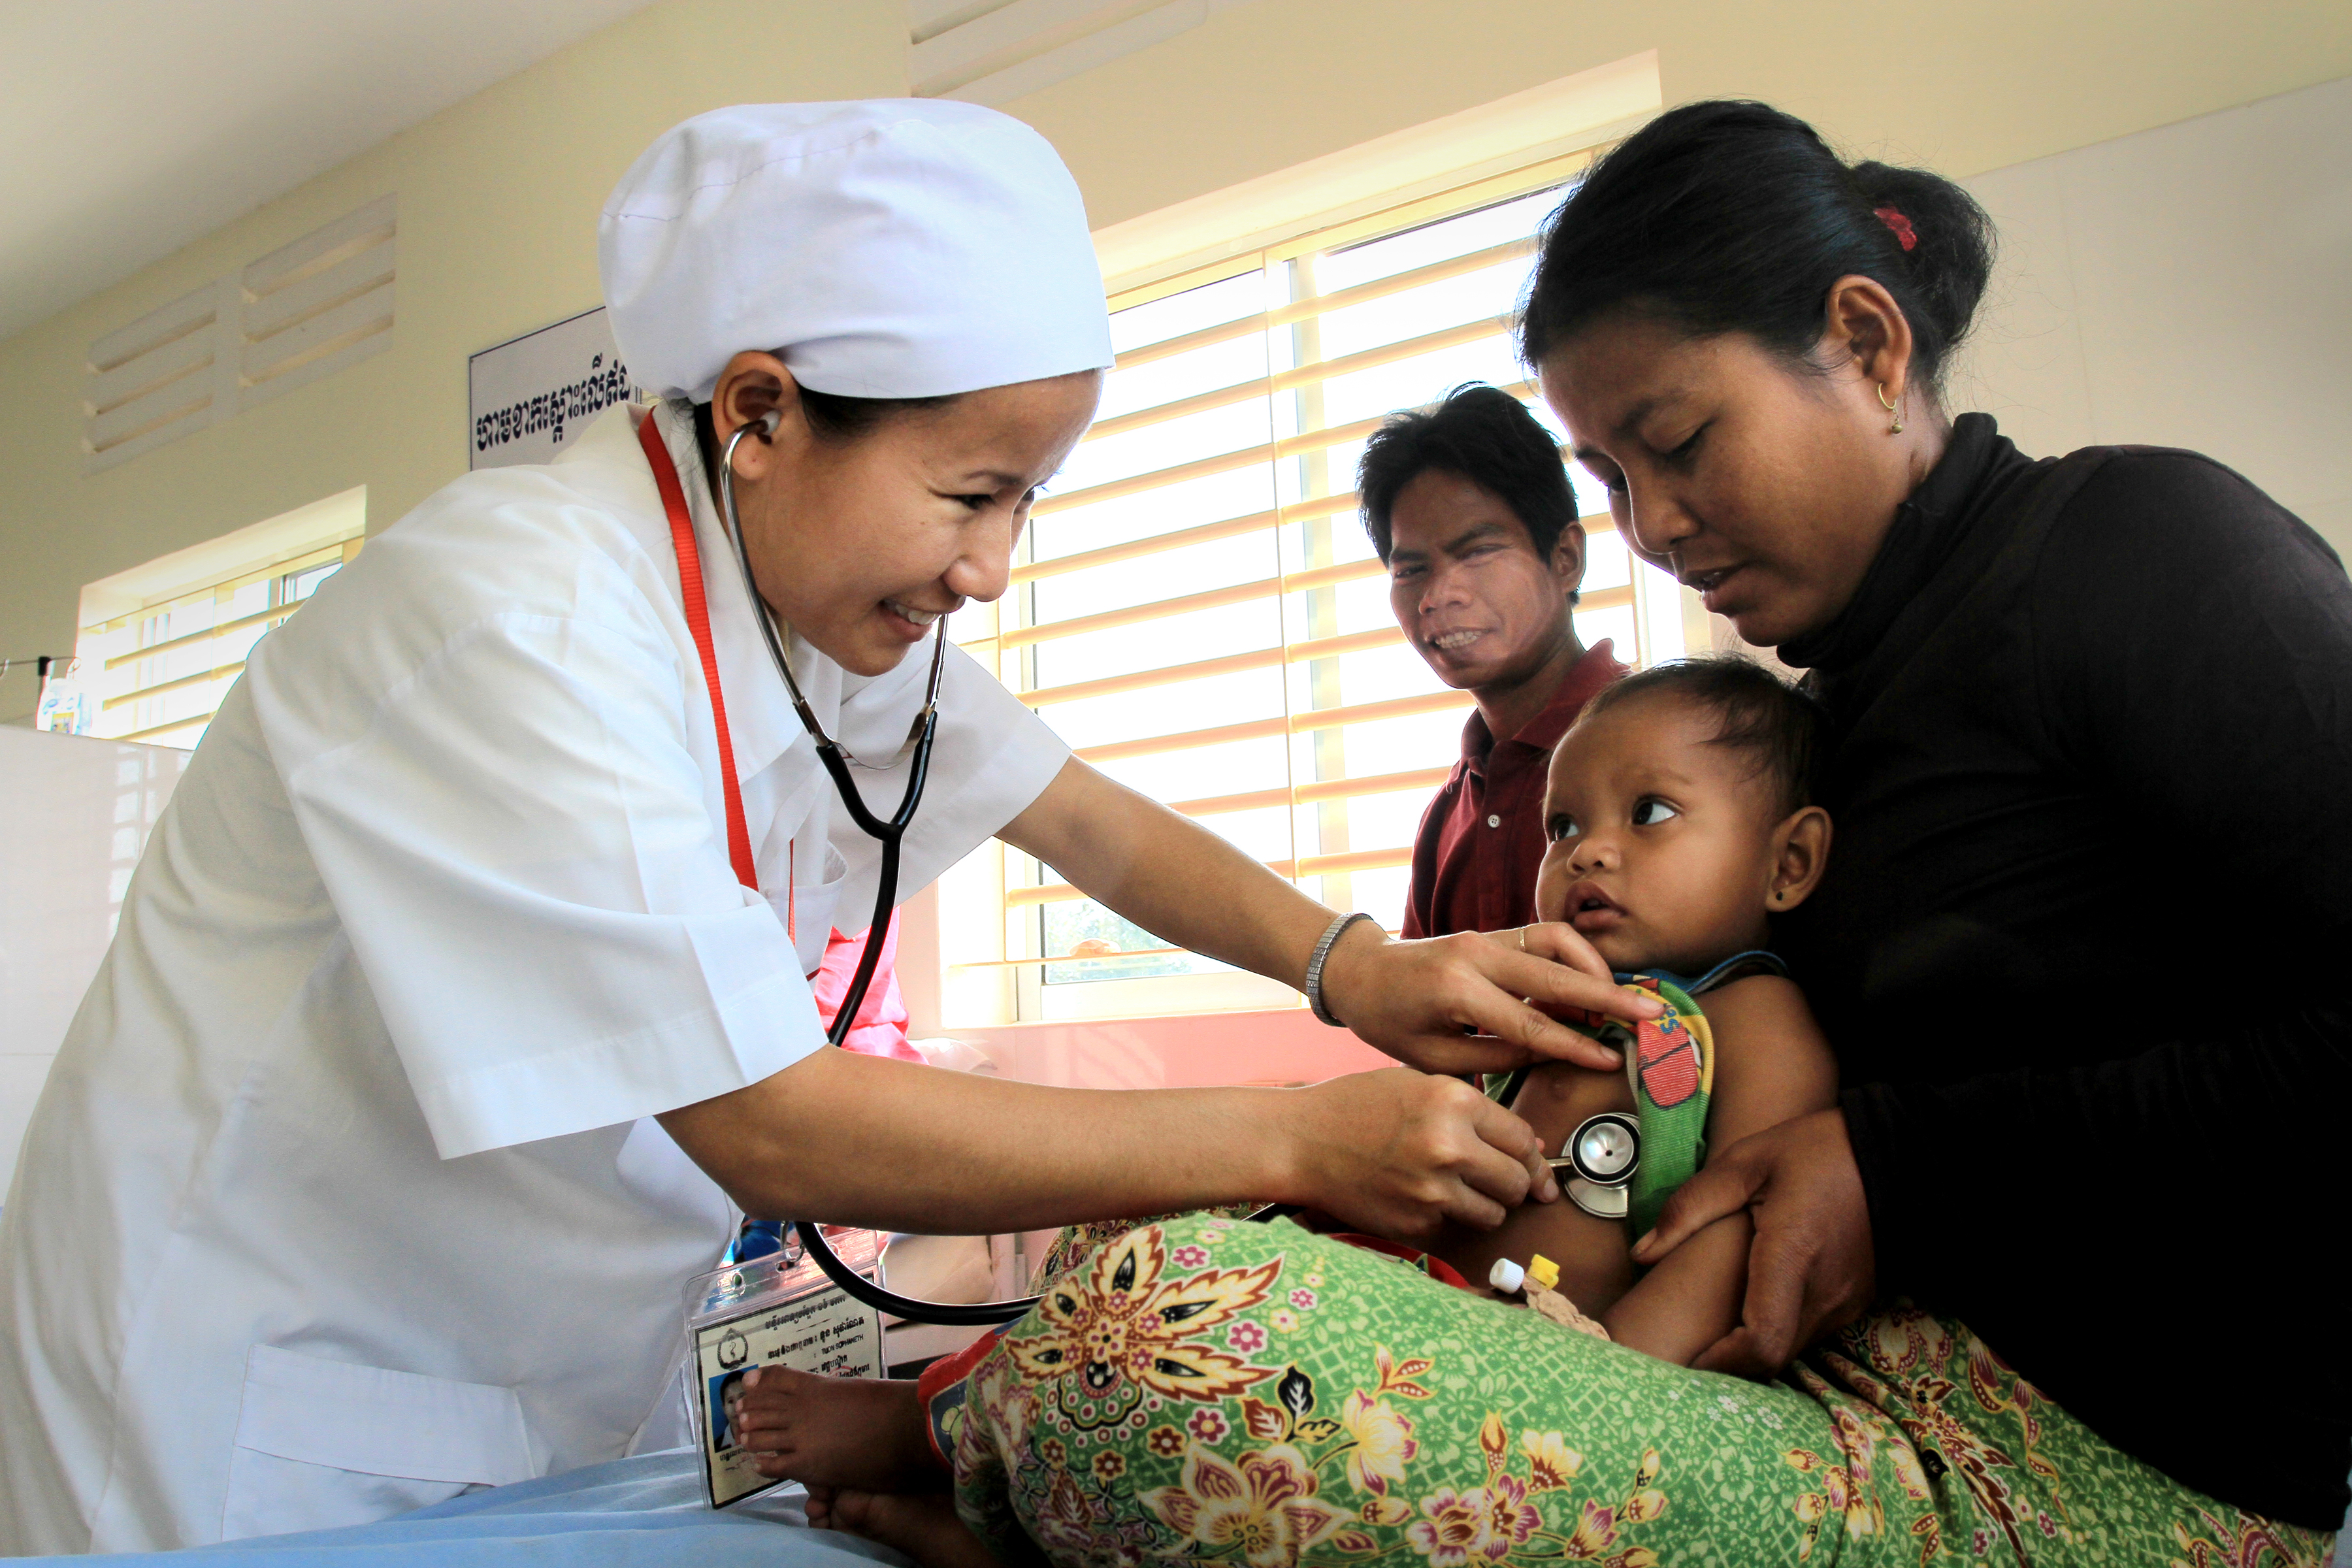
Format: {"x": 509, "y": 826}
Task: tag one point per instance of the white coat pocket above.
{"x": 810, "y": 913}
{"x": 322, "y": 1443}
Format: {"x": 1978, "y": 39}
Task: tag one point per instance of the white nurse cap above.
{"x": 895, "y": 247}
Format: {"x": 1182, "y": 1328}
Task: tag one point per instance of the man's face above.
{"x": 1467, "y": 586}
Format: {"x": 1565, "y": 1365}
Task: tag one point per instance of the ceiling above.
{"x": 136, "y": 126}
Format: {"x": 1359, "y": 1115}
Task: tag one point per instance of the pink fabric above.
{"x": 881, "y": 1027}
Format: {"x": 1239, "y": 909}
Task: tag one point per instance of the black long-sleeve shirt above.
{"x": 2085, "y": 946}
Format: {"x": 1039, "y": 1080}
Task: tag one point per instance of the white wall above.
{"x": 79, "y": 811}
{"x": 2190, "y": 287}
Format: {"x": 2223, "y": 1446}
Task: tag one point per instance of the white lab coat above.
{"x": 343, "y": 1197}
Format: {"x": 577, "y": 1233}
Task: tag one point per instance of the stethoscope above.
{"x": 889, "y": 834}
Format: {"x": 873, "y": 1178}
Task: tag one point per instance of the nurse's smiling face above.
{"x": 860, "y": 542}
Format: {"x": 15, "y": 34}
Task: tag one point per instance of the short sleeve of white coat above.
{"x": 496, "y": 785}
{"x": 992, "y": 759}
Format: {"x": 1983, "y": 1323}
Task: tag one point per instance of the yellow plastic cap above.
{"x": 1543, "y": 1271}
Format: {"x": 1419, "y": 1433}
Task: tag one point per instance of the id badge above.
{"x": 771, "y": 1312}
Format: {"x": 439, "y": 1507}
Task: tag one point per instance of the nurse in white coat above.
{"x": 442, "y": 1039}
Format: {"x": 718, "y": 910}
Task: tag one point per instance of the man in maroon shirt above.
{"x": 1470, "y": 509}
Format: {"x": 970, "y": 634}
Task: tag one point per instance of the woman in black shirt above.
{"x": 2080, "y": 949}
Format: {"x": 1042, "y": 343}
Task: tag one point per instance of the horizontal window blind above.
{"x": 160, "y": 672}
{"x": 1197, "y": 608}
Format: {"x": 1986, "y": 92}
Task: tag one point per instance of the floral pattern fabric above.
{"x": 1203, "y": 1390}
{"x": 1076, "y": 1243}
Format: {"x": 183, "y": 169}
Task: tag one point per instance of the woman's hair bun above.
{"x": 1732, "y": 216}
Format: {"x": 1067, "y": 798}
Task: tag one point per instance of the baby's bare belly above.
{"x": 1595, "y": 1267}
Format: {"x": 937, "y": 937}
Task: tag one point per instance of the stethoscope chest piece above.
{"x": 1602, "y": 1156}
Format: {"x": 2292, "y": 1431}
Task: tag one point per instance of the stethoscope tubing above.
{"x": 890, "y": 835}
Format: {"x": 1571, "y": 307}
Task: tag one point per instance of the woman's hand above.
{"x": 1471, "y": 1003}
{"x": 1812, "y": 1266}
{"x": 1452, "y": 1004}
{"x": 1399, "y": 1153}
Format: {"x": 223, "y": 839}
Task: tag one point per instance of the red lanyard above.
{"x": 698, "y": 620}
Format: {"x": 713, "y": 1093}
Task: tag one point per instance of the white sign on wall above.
{"x": 532, "y": 395}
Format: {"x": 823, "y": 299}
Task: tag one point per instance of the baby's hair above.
{"x": 1777, "y": 724}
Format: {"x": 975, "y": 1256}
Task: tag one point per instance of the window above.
{"x": 161, "y": 645}
{"x": 1197, "y": 610}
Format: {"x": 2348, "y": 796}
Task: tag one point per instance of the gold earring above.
{"x": 1888, "y": 403}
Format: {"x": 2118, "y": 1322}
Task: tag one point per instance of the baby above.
{"x": 1678, "y": 824}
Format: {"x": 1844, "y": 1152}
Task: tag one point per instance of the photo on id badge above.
{"x": 725, "y": 1408}
{"x": 757, "y": 1315}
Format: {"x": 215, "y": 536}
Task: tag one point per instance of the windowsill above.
{"x": 1280, "y": 1046}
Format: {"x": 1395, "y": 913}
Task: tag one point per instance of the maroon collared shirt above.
{"x": 1482, "y": 840}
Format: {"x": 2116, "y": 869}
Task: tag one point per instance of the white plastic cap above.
{"x": 1505, "y": 1275}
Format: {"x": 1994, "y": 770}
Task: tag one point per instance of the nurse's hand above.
{"x": 1399, "y": 1153}
{"x": 1472, "y": 1002}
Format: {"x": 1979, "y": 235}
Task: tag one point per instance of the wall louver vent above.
{"x": 303, "y": 311}
{"x": 993, "y": 51}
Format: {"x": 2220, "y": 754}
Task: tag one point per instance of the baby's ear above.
{"x": 1800, "y": 853}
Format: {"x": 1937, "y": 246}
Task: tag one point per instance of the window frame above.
{"x": 1001, "y": 978}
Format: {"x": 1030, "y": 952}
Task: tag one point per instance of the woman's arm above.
{"x": 860, "y": 1140}
{"x": 2195, "y": 654}
{"x": 1418, "y": 1001}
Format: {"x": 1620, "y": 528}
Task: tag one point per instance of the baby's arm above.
{"x": 1772, "y": 1064}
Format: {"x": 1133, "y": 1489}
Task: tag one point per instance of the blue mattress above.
{"x": 645, "y": 1512}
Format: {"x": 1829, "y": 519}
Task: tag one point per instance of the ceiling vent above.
{"x": 303, "y": 311}
{"x": 993, "y": 51}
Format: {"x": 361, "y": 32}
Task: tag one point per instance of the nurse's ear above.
{"x": 755, "y": 389}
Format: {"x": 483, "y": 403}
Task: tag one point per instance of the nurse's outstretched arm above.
{"x": 1451, "y": 1003}
{"x": 856, "y": 1140}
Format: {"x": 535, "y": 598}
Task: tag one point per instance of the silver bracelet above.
{"x": 1314, "y": 987}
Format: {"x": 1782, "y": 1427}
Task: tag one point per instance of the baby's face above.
{"x": 1661, "y": 842}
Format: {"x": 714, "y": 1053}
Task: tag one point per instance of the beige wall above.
{"x": 1965, "y": 88}
{"x": 499, "y": 195}
{"x": 498, "y": 198}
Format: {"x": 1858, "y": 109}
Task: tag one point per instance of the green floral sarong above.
{"x": 1209, "y": 1390}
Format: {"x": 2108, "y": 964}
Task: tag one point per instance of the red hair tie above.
{"x": 1898, "y": 225}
